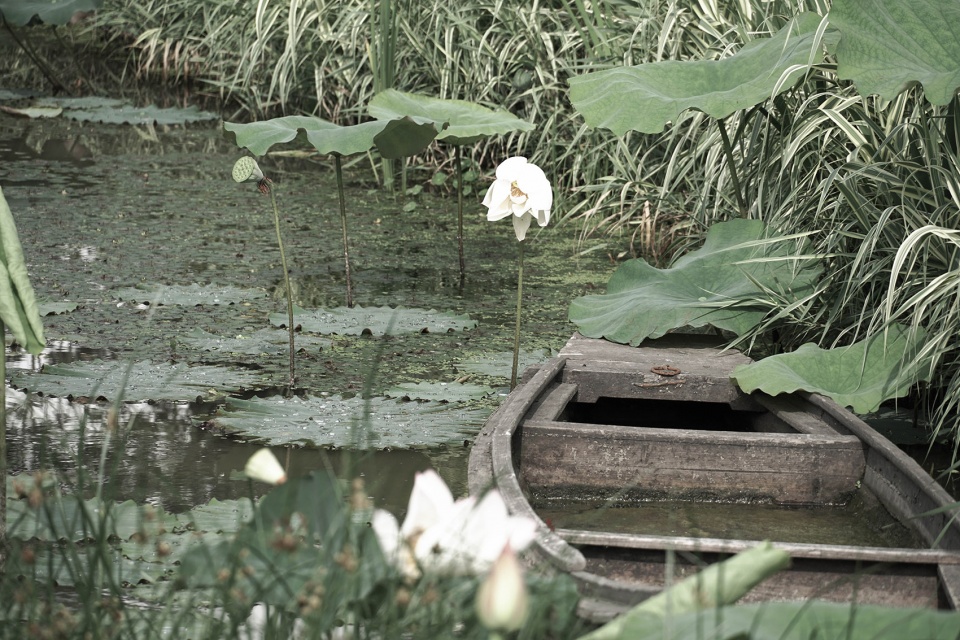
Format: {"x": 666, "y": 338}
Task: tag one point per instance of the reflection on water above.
{"x": 156, "y": 454}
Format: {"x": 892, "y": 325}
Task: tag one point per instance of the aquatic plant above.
{"x": 502, "y": 599}
{"x": 246, "y": 169}
{"x": 395, "y": 138}
{"x": 463, "y": 123}
{"x": 884, "y": 171}
{"x": 440, "y": 535}
{"x": 521, "y": 191}
{"x": 265, "y": 467}
{"x": 18, "y": 312}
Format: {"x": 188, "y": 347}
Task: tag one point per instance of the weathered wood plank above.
{"x": 732, "y": 546}
{"x": 514, "y": 409}
{"x": 898, "y": 481}
{"x": 639, "y": 463}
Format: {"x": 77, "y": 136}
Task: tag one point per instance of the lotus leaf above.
{"x": 192, "y": 295}
{"x": 799, "y": 621}
{"x": 56, "y": 308}
{"x": 217, "y": 516}
{"x": 394, "y": 139}
{"x": 76, "y": 520}
{"x": 860, "y": 376}
{"x": 146, "y": 381}
{"x": 888, "y": 45}
{"x": 467, "y": 122}
{"x": 58, "y": 12}
{"x": 336, "y": 422}
{"x": 375, "y": 320}
{"x": 439, "y": 391}
{"x": 33, "y": 112}
{"x": 646, "y": 97}
{"x": 264, "y": 341}
{"x": 715, "y": 285}
{"x": 150, "y": 114}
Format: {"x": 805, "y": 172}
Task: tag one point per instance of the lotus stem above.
{"x": 3, "y": 450}
{"x": 732, "y": 165}
{"x": 286, "y": 281}
{"x": 343, "y": 226}
{"x": 463, "y": 265}
{"x": 516, "y": 332}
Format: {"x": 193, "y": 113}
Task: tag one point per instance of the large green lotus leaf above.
{"x": 439, "y": 391}
{"x": 18, "y": 304}
{"x": 150, "y": 114}
{"x": 262, "y": 342}
{"x": 191, "y": 295}
{"x": 467, "y": 121}
{"x": 334, "y": 422}
{"x": 888, "y": 45}
{"x": 146, "y": 381}
{"x": 860, "y": 376}
{"x": 34, "y": 113}
{"x": 375, "y": 320}
{"x": 394, "y": 138}
{"x": 714, "y": 285}
{"x": 646, "y": 97}
{"x": 795, "y": 621}
{"x": 59, "y": 12}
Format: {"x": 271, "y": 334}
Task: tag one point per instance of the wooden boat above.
{"x": 648, "y": 433}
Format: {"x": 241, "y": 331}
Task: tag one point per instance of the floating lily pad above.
{"x": 860, "y": 376}
{"x": 192, "y": 295}
{"x": 335, "y": 422}
{"x": 146, "y": 381}
{"x": 467, "y": 122}
{"x": 262, "y": 342}
{"x": 59, "y": 12}
{"x": 33, "y": 112}
{"x": 375, "y": 320}
{"x": 718, "y": 284}
{"x": 127, "y": 114}
{"x": 439, "y": 391}
{"x": 76, "y": 520}
{"x": 499, "y": 364}
{"x": 888, "y": 45}
{"x": 218, "y": 516}
{"x": 57, "y": 308}
{"x": 84, "y": 102}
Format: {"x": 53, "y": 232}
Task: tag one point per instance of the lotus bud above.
{"x": 502, "y": 599}
{"x": 265, "y": 467}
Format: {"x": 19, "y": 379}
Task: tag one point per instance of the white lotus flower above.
{"x": 265, "y": 467}
{"x": 446, "y": 536}
{"x": 502, "y": 599}
{"x": 521, "y": 190}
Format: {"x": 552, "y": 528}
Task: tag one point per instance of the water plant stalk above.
{"x": 343, "y": 226}
{"x": 3, "y": 450}
{"x": 286, "y": 281}
{"x": 516, "y": 331}
{"x": 463, "y": 265}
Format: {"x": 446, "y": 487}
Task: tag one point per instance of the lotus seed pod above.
{"x": 246, "y": 169}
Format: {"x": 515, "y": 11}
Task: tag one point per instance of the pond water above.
{"x": 103, "y": 208}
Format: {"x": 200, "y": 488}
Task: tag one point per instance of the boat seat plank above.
{"x": 731, "y": 546}
{"x": 553, "y": 402}
{"x": 648, "y": 463}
